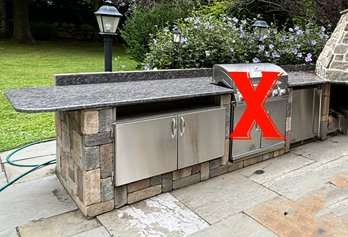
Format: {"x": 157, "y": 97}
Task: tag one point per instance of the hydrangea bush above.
{"x": 208, "y": 40}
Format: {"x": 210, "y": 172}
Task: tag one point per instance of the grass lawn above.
{"x": 34, "y": 65}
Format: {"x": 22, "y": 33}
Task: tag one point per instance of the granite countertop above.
{"x": 301, "y": 79}
{"x": 74, "y": 97}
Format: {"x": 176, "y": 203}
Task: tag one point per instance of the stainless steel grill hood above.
{"x": 221, "y": 76}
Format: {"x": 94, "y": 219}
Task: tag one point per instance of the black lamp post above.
{"x": 176, "y": 40}
{"x": 260, "y": 27}
{"x": 108, "y": 18}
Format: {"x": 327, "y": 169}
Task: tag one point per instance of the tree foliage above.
{"x": 321, "y": 11}
{"x": 145, "y": 20}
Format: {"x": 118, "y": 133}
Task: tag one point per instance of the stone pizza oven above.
{"x": 332, "y": 63}
{"x": 332, "y": 66}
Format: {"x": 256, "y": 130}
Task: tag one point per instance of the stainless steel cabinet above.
{"x": 305, "y": 114}
{"x": 200, "y": 136}
{"x": 145, "y": 148}
{"x": 149, "y": 146}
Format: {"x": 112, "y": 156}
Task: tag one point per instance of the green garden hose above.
{"x": 34, "y": 166}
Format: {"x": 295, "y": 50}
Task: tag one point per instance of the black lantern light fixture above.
{"x": 176, "y": 40}
{"x": 260, "y": 27}
{"x": 176, "y": 35}
{"x": 108, "y": 18}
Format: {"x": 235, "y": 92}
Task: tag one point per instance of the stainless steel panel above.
{"x": 221, "y": 73}
{"x": 241, "y": 148}
{"x": 201, "y": 136}
{"x": 277, "y": 111}
{"x": 334, "y": 123}
{"x": 145, "y": 148}
{"x": 305, "y": 114}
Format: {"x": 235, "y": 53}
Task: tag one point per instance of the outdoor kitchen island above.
{"x": 102, "y": 127}
{"x": 176, "y": 129}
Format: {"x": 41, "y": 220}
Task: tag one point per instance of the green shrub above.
{"x": 43, "y": 31}
{"x": 142, "y": 22}
{"x": 206, "y": 41}
{"x": 217, "y": 8}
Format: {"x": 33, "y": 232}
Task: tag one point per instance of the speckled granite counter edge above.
{"x": 307, "y": 84}
{"x": 336, "y": 82}
{"x": 106, "y": 77}
{"x": 112, "y": 104}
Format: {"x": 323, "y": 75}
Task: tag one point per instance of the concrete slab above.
{"x": 343, "y": 139}
{"x": 9, "y": 233}
{"x": 42, "y": 149}
{"x": 299, "y": 182}
{"x": 219, "y": 198}
{"x": 14, "y": 171}
{"x": 65, "y": 225}
{"x": 307, "y": 216}
{"x": 323, "y": 151}
{"x": 3, "y": 178}
{"x": 162, "y": 215}
{"x": 269, "y": 170}
{"x": 332, "y": 194}
{"x": 32, "y": 200}
{"x": 341, "y": 180}
{"x": 236, "y": 225}
{"x": 339, "y": 209}
{"x": 98, "y": 232}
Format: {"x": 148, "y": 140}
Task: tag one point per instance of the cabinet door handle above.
{"x": 257, "y": 127}
{"x": 313, "y": 109}
{"x": 174, "y": 128}
{"x": 182, "y": 126}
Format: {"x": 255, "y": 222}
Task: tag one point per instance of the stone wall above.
{"x": 85, "y": 162}
{"x": 332, "y": 63}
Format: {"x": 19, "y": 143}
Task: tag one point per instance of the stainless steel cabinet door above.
{"x": 201, "y": 136}
{"x": 277, "y": 110}
{"x": 305, "y": 114}
{"x": 241, "y": 148}
{"x": 145, "y": 148}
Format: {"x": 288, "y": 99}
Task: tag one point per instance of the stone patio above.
{"x": 301, "y": 193}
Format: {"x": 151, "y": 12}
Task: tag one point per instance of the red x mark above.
{"x": 256, "y": 111}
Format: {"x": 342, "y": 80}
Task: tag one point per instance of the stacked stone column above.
{"x": 85, "y": 158}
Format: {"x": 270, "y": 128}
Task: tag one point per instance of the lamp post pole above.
{"x": 108, "y": 53}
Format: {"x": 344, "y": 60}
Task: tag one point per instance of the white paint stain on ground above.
{"x": 159, "y": 216}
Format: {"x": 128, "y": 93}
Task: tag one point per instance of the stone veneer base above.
{"x": 85, "y": 162}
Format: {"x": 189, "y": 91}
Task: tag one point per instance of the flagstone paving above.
{"x": 302, "y": 193}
